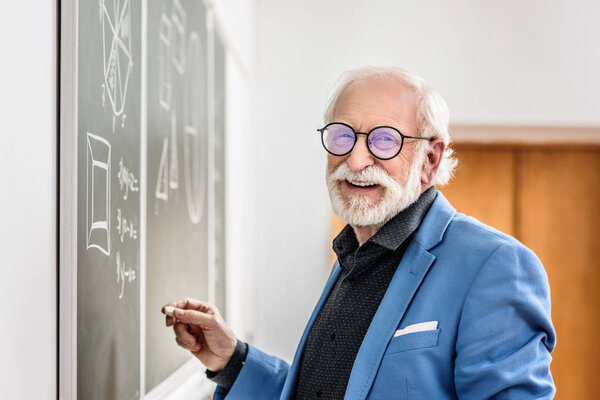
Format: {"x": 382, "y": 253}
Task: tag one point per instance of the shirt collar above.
{"x": 394, "y": 232}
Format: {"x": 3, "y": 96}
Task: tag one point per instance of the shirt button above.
{"x": 332, "y": 336}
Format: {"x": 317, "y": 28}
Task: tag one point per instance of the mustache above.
{"x": 372, "y": 173}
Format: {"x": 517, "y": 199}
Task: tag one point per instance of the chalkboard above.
{"x": 108, "y": 207}
{"x": 178, "y": 171}
{"x": 149, "y": 165}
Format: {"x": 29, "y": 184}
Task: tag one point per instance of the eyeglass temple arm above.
{"x": 430, "y": 138}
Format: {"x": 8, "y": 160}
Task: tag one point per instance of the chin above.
{"x": 364, "y": 211}
{"x": 361, "y": 210}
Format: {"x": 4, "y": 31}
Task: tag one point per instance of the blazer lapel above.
{"x": 289, "y": 387}
{"x": 404, "y": 284}
{"x": 408, "y": 277}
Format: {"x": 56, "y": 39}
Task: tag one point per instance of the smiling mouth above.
{"x": 361, "y": 184}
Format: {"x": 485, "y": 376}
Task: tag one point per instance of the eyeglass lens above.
{"x": 383, "y": 142}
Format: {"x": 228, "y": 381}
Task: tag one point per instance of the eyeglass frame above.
{"x": 402, "y": 136}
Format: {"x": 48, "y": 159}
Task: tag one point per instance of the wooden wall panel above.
{"x": 483, "y": 185}
{"x": 548, "y": 197}
{"x": 558, "y": 218}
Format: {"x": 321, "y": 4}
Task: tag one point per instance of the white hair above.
{"x": 432, "y": 111}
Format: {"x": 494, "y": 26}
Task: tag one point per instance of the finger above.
{"x": 170, "y": 321}
{"x": 191, "y": 304}
{"x": 193, "y": 348}
{"x": 181, "y": 332}
{"x": 203, "y": 320}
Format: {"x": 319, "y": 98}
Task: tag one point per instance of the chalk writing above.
{"x": 125, "y": 227}
{"x": 127, "y": 180}
{"x": 124, "y": 274}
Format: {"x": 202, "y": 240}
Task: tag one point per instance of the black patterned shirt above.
{"x": 340, "y": 327}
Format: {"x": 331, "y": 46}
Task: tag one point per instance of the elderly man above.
{"x": 423, "y": 302}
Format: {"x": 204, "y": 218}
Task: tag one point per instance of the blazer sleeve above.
{"x": 261, "y": 377}
{"x": 505, "y": 333}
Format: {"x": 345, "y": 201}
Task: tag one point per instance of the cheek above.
{"x": 398, "y": 168}
{"x": 333, "y": 162}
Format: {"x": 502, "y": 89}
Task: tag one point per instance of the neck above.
{"x": 364, "y": 233}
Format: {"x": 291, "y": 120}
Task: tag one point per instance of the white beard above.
{"x": 362, "y": 211}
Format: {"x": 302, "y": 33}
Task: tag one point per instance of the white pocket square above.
{"x": 420, "y": 327}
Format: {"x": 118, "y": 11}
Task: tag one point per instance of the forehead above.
{"x": 371, "y": 102}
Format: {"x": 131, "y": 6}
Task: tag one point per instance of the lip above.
{"x": 359, "y": 189}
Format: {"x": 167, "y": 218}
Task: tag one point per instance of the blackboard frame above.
{"x": 67, "y": 275}
{"x": 68, "y": 216}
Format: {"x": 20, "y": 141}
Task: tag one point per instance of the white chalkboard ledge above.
{"x": 187, "y": 383}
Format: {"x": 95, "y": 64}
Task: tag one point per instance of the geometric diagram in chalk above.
{"x": 173, "y": 157}
{"x": 179, "y": 19}
{"x": 165, "y": 84}
{"x": 98, "y": 193}
{"x": 195, "y": 138}
{"x": 118, "y": 61}
{"x": 161, "y": 190}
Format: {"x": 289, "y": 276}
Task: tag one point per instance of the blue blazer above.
{"x": 490, "y": 297}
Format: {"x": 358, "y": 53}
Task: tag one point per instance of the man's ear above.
{"x": 433, "y": 158}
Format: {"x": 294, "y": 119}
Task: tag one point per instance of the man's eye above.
{"x": 385, "y": 139}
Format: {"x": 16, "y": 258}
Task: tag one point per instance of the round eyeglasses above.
{"x": 384, "y": 142}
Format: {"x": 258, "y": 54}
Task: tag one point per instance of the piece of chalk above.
{"x": 169, "y": 310}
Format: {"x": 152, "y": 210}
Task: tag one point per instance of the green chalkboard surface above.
{"x": 149, "y": 167}
{"x": 108, "y": 207}
{"x": 178, "y": 171}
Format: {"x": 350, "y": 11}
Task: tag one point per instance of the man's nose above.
{"x": 360, "y": 157}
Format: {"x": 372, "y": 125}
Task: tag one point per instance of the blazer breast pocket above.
{"x": 413, "y": 341}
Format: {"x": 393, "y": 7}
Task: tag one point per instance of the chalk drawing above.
{"x": 127, "y": 180}
{"x": 173, "y": 157}
{"x": 161, "y": 191}
{"x": 124, "y": 274}
{"x": 165, "y": 85}
{"x": 125, "y": 227}
{"x": 179, "y": 19}
{"x": 98, "y": 193}
{"x": 195, "y": 140}
{"x": 117, "y": 55}
{"x": 171, "y": 51}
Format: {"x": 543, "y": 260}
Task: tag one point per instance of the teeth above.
{"x": 362, "y": 184}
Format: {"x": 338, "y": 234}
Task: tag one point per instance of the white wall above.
{"x": 508, "y": 62}
{"x": 236, "y": 20}
{"x": 28, "y": 201}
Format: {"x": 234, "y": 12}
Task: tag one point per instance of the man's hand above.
{"x": 200, "y": 329}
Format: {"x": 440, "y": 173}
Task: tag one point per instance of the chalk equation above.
{"x": 125, "y": 227}
{"x": 125, "y": 275}
{"x": 127, "y": 180}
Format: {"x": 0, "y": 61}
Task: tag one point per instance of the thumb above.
{"x": 205, "y": 321}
